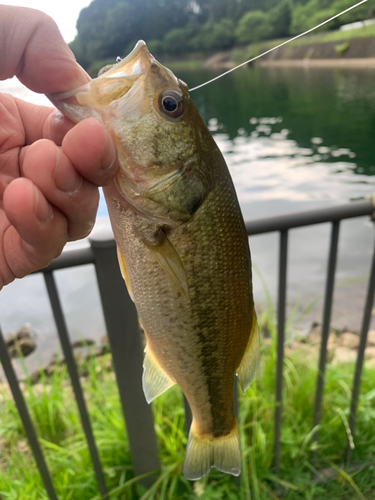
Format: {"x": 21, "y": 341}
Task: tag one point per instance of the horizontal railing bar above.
{"x": 73, "y": 373}
{"x": 310, "y": 217}
{"x": 82, "y": 256}
{"x": 26, "y": 420}
{"x": 70, "y": 258}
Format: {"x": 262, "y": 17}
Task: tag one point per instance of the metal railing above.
{"x": 127, "y": 353}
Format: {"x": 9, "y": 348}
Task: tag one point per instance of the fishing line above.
{"x": 278, "y": 46}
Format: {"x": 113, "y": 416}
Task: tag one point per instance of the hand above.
{"x": 50, "y": 169}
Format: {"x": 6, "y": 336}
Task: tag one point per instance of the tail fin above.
{"x": 204, "y": 452}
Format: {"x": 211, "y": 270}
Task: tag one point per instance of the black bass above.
{"x": 182, "y": 247}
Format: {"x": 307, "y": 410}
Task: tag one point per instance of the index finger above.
{"x": 33, "y": 49}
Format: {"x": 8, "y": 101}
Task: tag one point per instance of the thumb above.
{"x": 32, "y": 48}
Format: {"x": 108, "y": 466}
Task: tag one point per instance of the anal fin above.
{"x": 154, "y": 380}
{"x": 249, "y": 362}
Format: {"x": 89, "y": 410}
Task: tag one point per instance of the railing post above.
{"x": 26, "y": 420}
{"x": 127, "y": 353}
{"x": 283, "y": 257}
{"x": 330, "y": 283}
{"x": 74, "y": 377}
{"x": 361, "y": 353}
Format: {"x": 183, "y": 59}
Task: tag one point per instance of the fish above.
{"x": 182, "y": 248}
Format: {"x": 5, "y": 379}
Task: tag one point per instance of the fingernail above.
{"x": 66, "y": 179}
{"x": 42, "y": 208}
{"x": 110, "y": 153}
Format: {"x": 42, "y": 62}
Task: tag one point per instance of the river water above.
{"x": 294, "y": 139}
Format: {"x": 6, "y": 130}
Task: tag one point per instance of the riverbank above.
{"x": 356, "y": 52}
{"x": 351, "y": 48}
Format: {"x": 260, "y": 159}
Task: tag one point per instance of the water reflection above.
{"x": 266, "y": 163}
{"x": 295, "y": 139}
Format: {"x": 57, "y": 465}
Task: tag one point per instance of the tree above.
{"x": 253, "y": 27}
{"x": 221, "y": 35}
{"x": 176, "y": 40}
{"x": 280, "y": 18}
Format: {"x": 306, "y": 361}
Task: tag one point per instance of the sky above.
{"x": 64, "y": 12}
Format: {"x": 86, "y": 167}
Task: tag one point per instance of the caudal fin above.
{"x": 204, "y": 452}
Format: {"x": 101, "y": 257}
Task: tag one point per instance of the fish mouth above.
{"x": 109, "y": 86}
{"x": 136, "y": 63}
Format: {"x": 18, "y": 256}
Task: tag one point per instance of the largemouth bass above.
{"x": 182, "y": 247}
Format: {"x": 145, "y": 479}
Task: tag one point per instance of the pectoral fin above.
{"x": 249, "y": 362}
{"x": 124, "y": 271}
{"x": 168, "y": 258}
{"x": 155, "y": 381}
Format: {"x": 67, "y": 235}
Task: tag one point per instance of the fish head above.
{"x": 162, "y": 142}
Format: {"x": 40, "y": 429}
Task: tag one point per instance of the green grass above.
{"x": 337, "y": 35}
{"x": 55, "y": 415}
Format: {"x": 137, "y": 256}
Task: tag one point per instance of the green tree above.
{"x": 220, "y": 9}
{"x": 245, "y": 6}
{"x": 253, "y": 27}
{"x": 365, "y": 11}
{"x": 156, "y": 47}
{"x": 176, "y": 40}
{"x": 220, "y": 35}
{"x": 280, "y": 18}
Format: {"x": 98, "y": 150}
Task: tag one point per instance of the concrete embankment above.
{"x": 356, "y": 52}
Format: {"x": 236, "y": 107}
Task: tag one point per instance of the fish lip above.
{"x": 133, "y": 66}
{"x": 138, "y": 60}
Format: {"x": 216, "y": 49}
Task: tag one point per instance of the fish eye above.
{"x": 170, "y": 103}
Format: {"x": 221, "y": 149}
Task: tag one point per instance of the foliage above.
{"x": 342, "y": 48}
{"x": 110, "y": 28}
{"x": 253, "y": 27}
{"x": 54, "y": 412}
{"x": 220, "y": 36}
{"x": 156, "y": 47}
{"x": 280, "y": 18}
{"x": 309, "y": 15}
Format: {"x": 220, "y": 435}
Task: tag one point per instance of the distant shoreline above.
{"x": 361, "y": 62}
{"x": 352, "y": 53}
{"x": 368, "y": 62}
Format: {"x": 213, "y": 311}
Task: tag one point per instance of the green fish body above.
{"x": 182, "y": 246}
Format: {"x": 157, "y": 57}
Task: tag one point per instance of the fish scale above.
{"x": 183, "y": 248}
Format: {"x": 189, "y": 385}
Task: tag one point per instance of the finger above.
{"x": 33, "y": 49}
{"x": 56, "y": 127}
{"x": 91, "y": 149}
{"x": 56, "y": 177}
{"x": 38, "y": 231}
{"x": 41, "y": 122}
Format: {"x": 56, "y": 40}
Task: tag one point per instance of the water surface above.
{"x": 294, "y": 139}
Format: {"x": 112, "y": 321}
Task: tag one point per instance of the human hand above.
{"x": 50, "y": 169}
